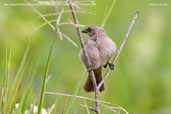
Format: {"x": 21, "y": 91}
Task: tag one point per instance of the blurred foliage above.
{"x": 141, "y": 82}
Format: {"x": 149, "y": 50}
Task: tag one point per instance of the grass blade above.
{"x": 41, "y": 99}
{"x": 109, "y": 13}
{"x": 4, "y": 89}
{"x": 17, "y": 82}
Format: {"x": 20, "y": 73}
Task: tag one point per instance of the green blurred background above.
{"x": 142, "y": 80}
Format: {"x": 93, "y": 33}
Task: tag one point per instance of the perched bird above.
{"x": 100, "y": 49}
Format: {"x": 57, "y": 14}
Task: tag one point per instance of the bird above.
{"x": 100, "y": 48}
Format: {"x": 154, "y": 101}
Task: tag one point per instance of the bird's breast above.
{"x": 106, "y": 48}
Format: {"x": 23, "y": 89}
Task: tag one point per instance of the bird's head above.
{"x": 91, "y": 31}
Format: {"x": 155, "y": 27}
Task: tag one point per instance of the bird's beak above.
{"x": 85, "y": 31}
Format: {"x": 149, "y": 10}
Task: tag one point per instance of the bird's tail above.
{"x": 89, "y": 83}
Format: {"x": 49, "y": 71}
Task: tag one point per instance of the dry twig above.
{"x": 90, "y": 71}
{"x": 135, "y": 16}
{"x": 88, "y": 107}
{"x": 105, "y": 104}
{"x": 57, "y": 29}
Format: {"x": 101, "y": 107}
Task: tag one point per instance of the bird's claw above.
{"x": 111, "y": 66}
{"x": 105, "y": 66}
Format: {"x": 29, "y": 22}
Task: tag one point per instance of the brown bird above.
{"x": 100, "y": 49}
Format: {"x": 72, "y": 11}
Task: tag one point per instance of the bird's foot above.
{"x": 111, "y": 66}
{"x": 105, "y": 65}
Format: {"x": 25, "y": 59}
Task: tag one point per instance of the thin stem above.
{"x": 57, "y": 13}
{"x": 101, "y": 102}
{"x": 135, "y": 16}
{"x": 108, "y": 14}
{"x": 88, "y": 107}
{"x": 90, "y": 71}
{"x": 77, "y": 96}
{"x": 37, "y": 12}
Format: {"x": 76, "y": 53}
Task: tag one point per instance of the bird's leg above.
{"x": 89, "y": 69}
{"x": 111, "y": 66}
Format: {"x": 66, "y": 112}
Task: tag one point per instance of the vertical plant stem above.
{"x": 17, "y": 82}
{"x": 5, "y": 80}
{"x": 41, "y": 98}
{"x": 90, "y": 71}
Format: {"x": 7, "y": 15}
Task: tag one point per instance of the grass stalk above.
{"x": 41, "y": 98}
{"x": 4, "y": 89}
{"x": 109, "y": 13}
{"x": 17, "y": 82}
